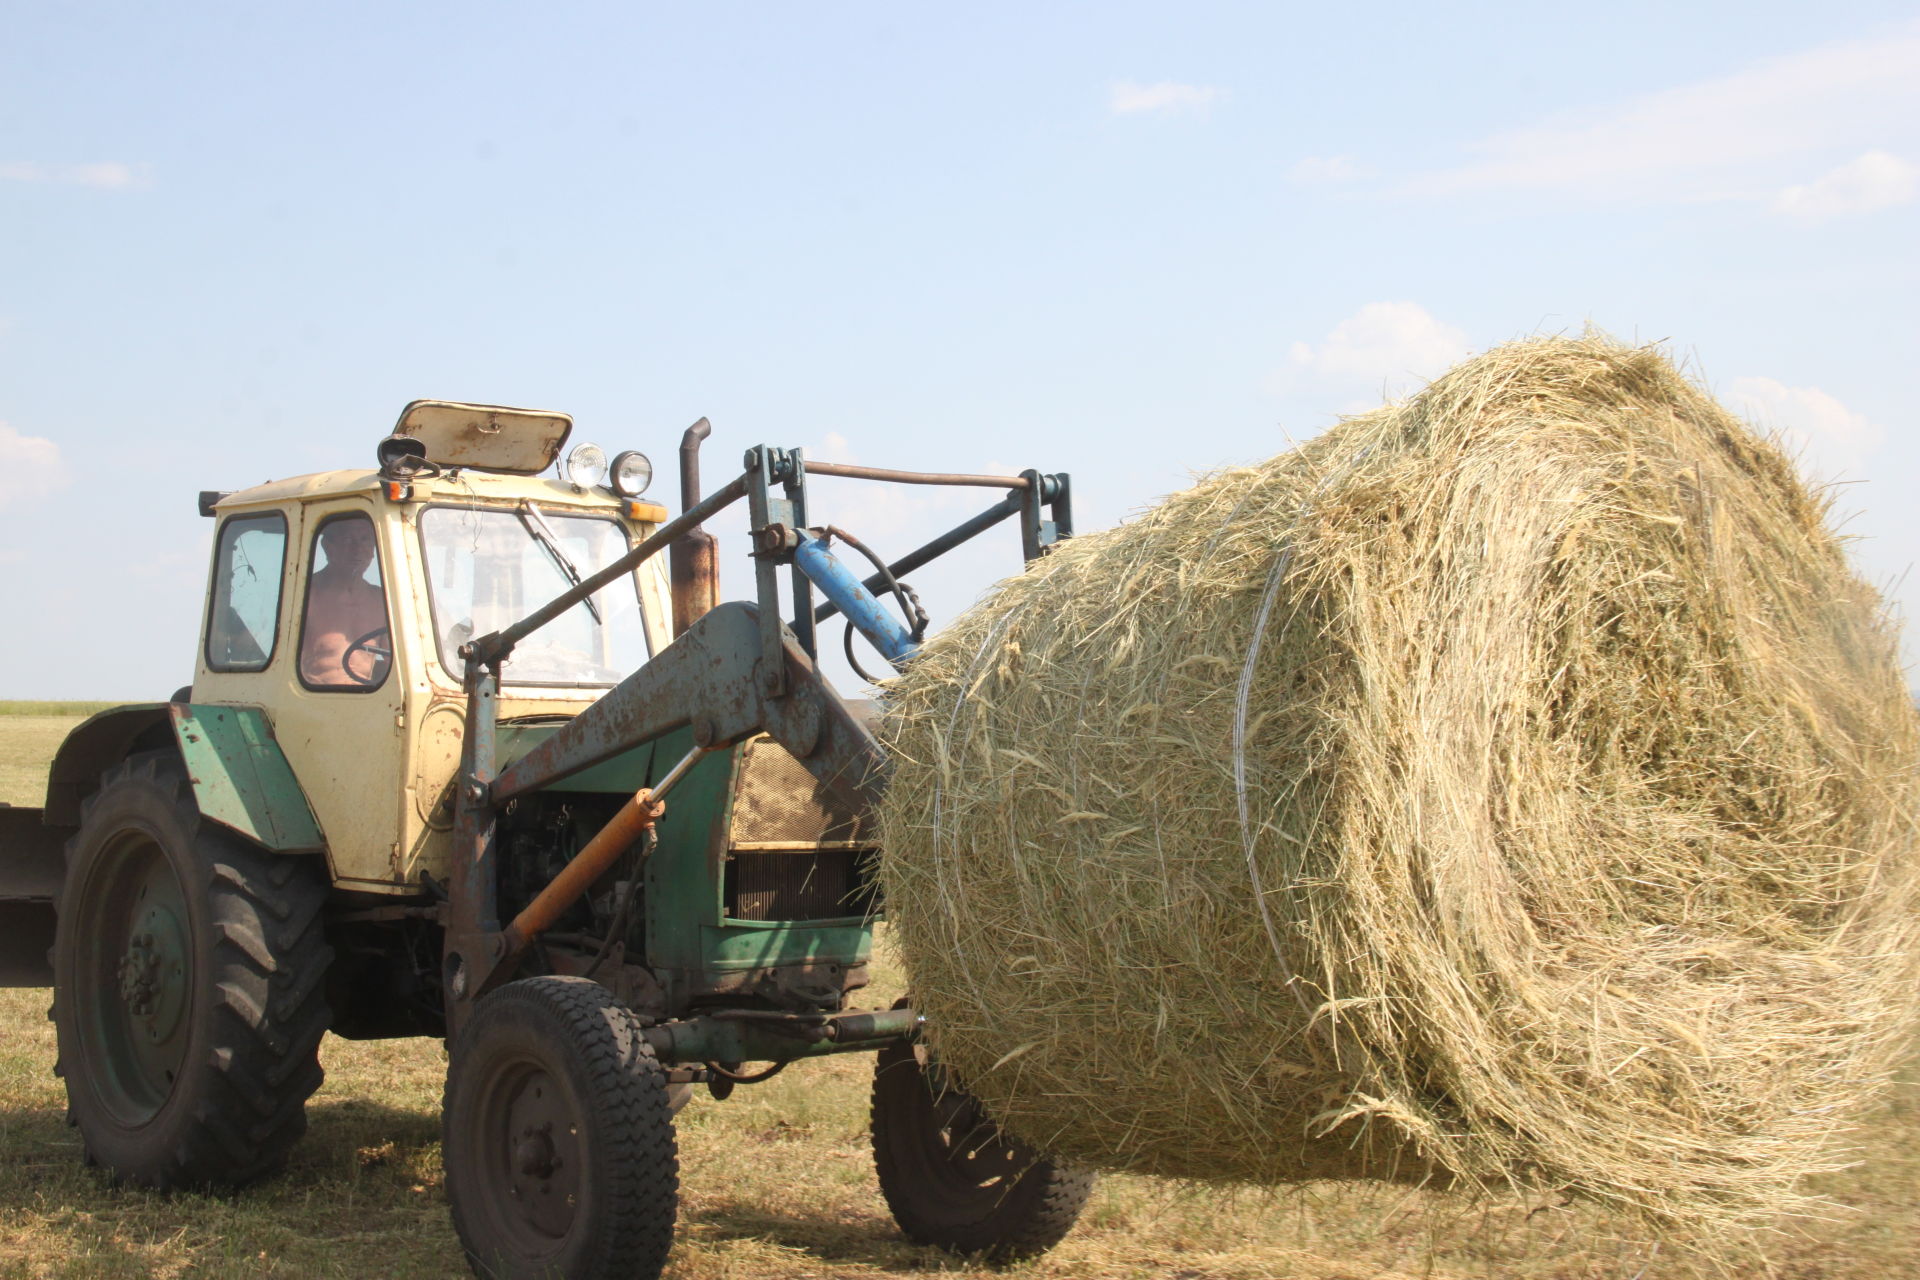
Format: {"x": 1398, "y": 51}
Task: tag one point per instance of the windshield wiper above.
{"x": 543, "y": 534}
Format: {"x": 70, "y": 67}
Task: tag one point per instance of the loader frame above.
{"x": 735, "y": 672}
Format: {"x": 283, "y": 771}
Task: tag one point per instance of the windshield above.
{"x": 487, "y": 569}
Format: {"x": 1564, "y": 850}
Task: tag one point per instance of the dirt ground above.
{"x": 778, "y": 1183}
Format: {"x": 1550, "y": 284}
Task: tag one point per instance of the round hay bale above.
{"x": 1512, "y": 785}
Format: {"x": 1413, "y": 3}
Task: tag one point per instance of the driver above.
{"x": 345, "y": 641}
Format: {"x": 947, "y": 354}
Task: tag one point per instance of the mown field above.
{"x": 778, "y": 1183}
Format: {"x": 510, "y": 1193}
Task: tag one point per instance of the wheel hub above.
{"x": 152, "y": 971}
{"x": 539, "y": 1177}
{"x": 534, "y": 1155}
{"x": 136, "y": 965}
{"x": 139, "y": 975}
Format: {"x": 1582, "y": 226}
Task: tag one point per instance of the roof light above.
{"x": 586, "y": 466}
{"x": 631, "y": 473}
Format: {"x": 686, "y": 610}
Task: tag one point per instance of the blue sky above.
{"x": 1128, "y": 241}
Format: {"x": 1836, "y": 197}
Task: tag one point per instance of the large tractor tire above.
{"x": 189, "y": 969}
{"x": 559, "y": 1147}
{"x": 952, "y": 1179}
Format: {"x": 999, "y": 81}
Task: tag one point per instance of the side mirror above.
{"x": 401, "y": 457}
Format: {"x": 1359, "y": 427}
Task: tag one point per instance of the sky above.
{"x": 1132, "y": 242}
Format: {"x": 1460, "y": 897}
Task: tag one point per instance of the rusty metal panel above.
{"x": 489, "y": 436}
{"x": 779, "y": 804}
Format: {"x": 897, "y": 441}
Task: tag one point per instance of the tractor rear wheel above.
{"x": 188, "y": 986}
{"x": 952, "y": 1178}
{"x": 559, "y": 1149}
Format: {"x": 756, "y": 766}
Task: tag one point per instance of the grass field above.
{"x": 777, "y": 1183}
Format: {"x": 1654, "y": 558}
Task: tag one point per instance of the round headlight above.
{"x": 586, "y": 465}
{"x": 631, "y": 473}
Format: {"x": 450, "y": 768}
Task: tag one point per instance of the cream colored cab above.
{"x": 338, "y": 603}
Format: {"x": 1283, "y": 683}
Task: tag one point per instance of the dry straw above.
{"x": 1511, "y": 786}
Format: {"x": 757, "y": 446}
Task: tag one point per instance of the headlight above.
{"x": 631, "y": 473}
{"x": 586, "y": 465}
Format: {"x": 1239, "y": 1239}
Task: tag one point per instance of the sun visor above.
{"x": 490, "y": 437}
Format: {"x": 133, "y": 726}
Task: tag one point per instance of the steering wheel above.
{"x": 381, "y": 656}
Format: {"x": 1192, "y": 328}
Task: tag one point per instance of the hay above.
{"x": 1513, "y": 785}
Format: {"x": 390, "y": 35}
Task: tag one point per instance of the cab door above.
{"x": 341, "y": 721}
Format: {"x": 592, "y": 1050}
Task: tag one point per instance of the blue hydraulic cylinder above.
{"x": 875, "y": 621}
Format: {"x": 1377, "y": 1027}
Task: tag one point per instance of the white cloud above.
{"x": 1327, "y": 171}
{"x": 1383, "y": 349}
{"x": 1736, "y": 136}
{"x": 1870, "y": 183}
{"x": 106, "y": 175}
{"x": 1129, "y": 98}
{"x": 29, "y": 465}
{"x": 1830, "y": 440}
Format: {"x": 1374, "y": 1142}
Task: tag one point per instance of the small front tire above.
{"x": 952, "y": 1178}
{"x": 559, "y": 1146}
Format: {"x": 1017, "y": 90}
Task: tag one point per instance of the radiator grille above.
{"x": 820, "y": 885}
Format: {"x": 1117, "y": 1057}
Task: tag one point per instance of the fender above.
{"x": 240, "y": 777}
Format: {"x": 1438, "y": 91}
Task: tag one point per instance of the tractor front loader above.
{"x": 461, "y": 759}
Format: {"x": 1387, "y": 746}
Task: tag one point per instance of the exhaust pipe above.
{"x": 694, "y": 558}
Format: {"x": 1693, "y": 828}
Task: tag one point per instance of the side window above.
{"x": 344, "y": 641}
{"x": 243, "y": 615}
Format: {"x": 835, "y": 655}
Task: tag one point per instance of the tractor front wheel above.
{"x": 559, "y": 1149}
{"x": 188, "y": 973}
{"x": 952, "y": 1178}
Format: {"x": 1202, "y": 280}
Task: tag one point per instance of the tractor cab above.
{"x": 339, "y": 603}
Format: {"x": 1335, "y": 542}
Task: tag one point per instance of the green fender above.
{"x": 240, "y": 778}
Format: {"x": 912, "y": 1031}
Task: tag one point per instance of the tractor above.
{"x": 473, "y": 750}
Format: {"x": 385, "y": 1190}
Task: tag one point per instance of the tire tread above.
{"x": 1033, "y": 1215}
{"x": 264, "y": 919}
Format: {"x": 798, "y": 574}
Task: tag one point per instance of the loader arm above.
{"x": 713, "y": 680}
{"x": 736, "y": 672}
